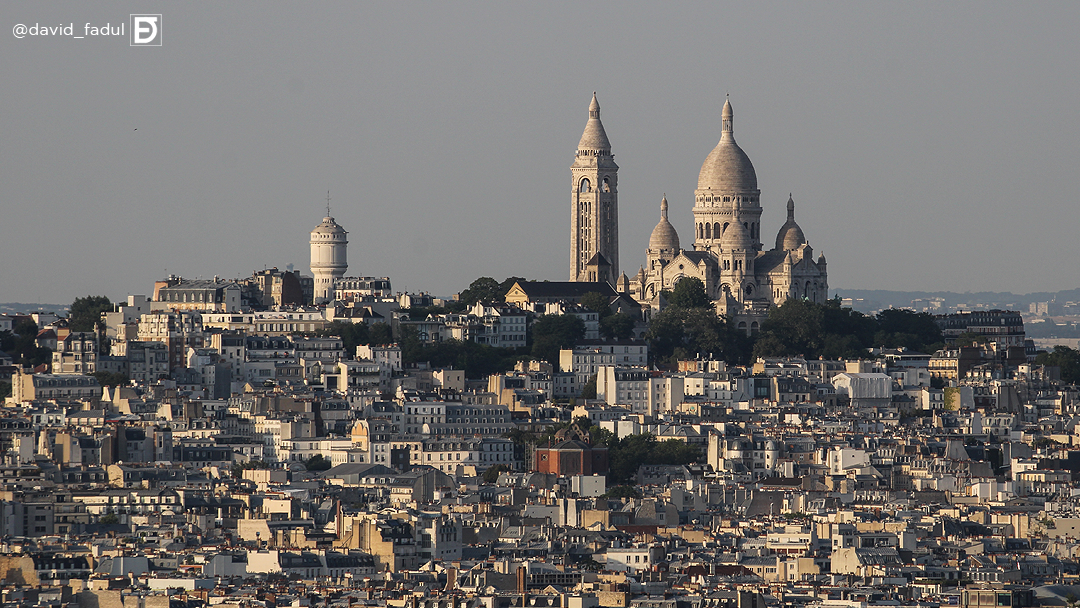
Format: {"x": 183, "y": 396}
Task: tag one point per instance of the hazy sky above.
{"x": 929, "y": 146}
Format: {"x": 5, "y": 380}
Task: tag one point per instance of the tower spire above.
{"x": 663, "y": 207}
{"x": 727, "y": 116}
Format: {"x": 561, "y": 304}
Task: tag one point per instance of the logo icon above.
{"x": 145, "y": 30}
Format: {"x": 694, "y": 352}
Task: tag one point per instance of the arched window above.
{"x": 749, "y": 290}
{"x": 607, "y": 186}
{"x": 585, "y": 186}
{"x": 708, "y": 231}
{"x": 700, "y": 231}
{"x": 716, "y": 230}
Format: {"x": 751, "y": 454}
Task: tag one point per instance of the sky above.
{"x": 927, "y": 145}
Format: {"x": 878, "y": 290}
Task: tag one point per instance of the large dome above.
{"x": 664, "y": 235}
{"x": 727, "y": 168}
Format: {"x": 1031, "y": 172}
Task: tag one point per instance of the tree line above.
{"x": 690, "y": 326}
{"x": 625, "y": 455}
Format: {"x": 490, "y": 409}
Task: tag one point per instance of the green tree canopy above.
{"x": 597, "y": 302}
{"x": 86, "y": 312}
{"x": 619, "y": 326}
{"x": 552, "y": 333}
{"x": 623, "y": 492}
{"x": 626, "y": 455}
{"x": 318, "y": 463}
{"x": 793, "y": 329}
{"x": 22, "y": 344}
{"x": 491, "y": 475}
{"x": 1065, "y": 358}
{"x": 812, "y": 330}
{"x": 355, "y": 334}
{"x": 970, "y": 338}
{"x": 898, "y": 328}
{"x": 111, "y": 379}
{"x": 476, "y": 360}
{"x": 589, "y": 390}
{"x": 486, "y": 289}
{"x": 677, "y": 332}
{"x": 689, "y": 293}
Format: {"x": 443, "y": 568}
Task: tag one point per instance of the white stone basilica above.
{"x": 742, "y": 278}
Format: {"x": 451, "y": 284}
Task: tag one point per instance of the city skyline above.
{"x": 926, "y": 141}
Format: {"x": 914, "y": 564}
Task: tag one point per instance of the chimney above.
{"x": 522, "y": 580}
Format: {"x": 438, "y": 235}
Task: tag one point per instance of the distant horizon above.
{"x": 45, "y": 307}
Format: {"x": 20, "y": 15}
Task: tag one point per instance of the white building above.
{"x": 328, "y": 259}
{"x": 630, "y": 386}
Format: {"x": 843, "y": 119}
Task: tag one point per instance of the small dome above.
{"x": 328, "y": 226}
{"x": 790, "y": 236}
{"x": 727, "y": 168}
{"x": 594, "y": 139}
{"x": 735, "y": 237}
{"x": 664, "y": 235}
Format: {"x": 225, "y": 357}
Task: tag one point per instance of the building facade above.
{"x": 594, "y": 203}
{"x": 328, "y": 259}
{"x": 728, "y": 256}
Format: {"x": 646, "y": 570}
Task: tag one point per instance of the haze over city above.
{"x": 927, "y": 146}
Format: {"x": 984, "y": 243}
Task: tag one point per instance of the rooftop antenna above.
{"x": 327, "y": 203}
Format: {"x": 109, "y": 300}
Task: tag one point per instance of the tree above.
{"x": 86, "y": 312}
{"x": 793, "y": 329}
{"x": 970, "y": 338}
{"x": 905, "y": 328}
{"x": 491, "y": 475}
{"x": 484, "y": 289}
{"x": 419, "y": 313}
{"x": 597, "y": 302}
{"x": 317, "y": 463}
{"x": 589, "y": 390}
{"x": 22, "y": 344}
{"x": 678, "y": 333}
{"x": 110, "y": 519}
{"x": 623, "y": 492}
{"x": 552, "y": 333}
{"x": 689, "y": 293}
{"x": 618, "y": 326}
{"x": 1066, "y": 359}
{"x": 111, "y": 379}
{"x": 626, "y": 455}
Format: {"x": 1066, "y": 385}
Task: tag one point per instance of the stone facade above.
{"x": 328, "y": 260}
{"x": 742, "y": 278}
{"x": 594, "y": 202}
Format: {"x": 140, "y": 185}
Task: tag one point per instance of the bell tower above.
{"x": 594, "y": 200}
